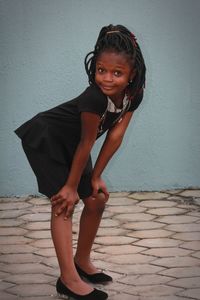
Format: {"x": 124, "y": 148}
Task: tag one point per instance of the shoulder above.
{"x": 92, "y": 100}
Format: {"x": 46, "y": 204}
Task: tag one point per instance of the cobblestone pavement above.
{"x": 149, "y": 242}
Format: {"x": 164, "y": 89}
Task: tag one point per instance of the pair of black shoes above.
{"x": 64, "y": 292}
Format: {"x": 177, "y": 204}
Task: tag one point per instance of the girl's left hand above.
{"x": 99, "y": 185}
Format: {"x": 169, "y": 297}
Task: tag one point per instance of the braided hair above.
{"x": 120, "y": 40}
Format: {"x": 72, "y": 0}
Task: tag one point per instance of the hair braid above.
{"x": 119, "y": 39}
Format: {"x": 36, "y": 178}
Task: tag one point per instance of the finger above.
{"x": 69, "y": 211}
{"x": 94, "y": 193}
{"x": 61, "y": 208}
{"x": 56, "y": 202}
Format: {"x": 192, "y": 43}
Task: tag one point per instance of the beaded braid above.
{"x": 118, "y": 39}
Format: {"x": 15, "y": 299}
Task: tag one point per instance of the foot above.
{"x": 96, "y": 277}
{"x": 64, "y": 291}
{"x": 87, "y": 266}
{"x": 77, "y": 286}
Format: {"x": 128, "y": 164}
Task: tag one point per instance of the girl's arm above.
{"x": 111, "y": 144}
{"x": 68, "y": 195}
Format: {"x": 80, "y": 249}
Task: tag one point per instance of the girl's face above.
{"x": 113, "y": 73}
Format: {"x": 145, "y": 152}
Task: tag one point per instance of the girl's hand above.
{"x": 99, "y": 185}
{"x": 65, "y": 199}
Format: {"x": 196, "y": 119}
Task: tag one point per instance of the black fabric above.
{"x": 52, "y": 175}
{"x": 55, "y": 133}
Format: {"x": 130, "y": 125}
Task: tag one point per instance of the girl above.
{"x": 58, "y": 143}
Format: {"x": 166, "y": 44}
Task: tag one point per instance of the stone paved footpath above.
{"x": 149, "y": 242}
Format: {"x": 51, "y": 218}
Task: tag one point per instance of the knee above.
{"x": 98, "y": 204}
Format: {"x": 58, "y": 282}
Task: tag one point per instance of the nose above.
{"x": 108, "y": 77}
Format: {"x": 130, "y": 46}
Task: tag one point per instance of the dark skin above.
{"x": 113, "y": 73}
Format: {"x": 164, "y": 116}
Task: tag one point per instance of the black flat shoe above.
{"x": 94, "y": 278}
{"x": 64, "y": 292}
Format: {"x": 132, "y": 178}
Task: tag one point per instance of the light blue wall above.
{"x": 42, "y": 47}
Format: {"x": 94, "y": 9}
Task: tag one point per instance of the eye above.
{"x": 117, "y": 73}
{"x": 100, "y": 70}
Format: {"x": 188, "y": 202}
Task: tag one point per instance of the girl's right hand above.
{"x": 65, "y": 200}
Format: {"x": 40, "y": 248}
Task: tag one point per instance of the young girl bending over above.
{"x": 58, "y": 142}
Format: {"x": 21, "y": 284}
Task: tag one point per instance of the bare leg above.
{"x": 89, "y": 224}
{"x": 61, "y": 231}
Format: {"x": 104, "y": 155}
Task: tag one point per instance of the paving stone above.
{"x": 46, "y": 252}
{"x": 37, "y": 225}
{"x": 120, "y": 249}
{"x": 11, "y": 214}
{"x": 7, "y": 296}
{"x": 174, "y": 191}
{"x": 158, "y": 243}
{"x": 109, "y": 223}
{"x": 194, "y": 245}
{"x": 27, "y": 290}
{"x": 135, "y": 217}
{"x": 12, "y": 231}
{"x": 119, "y": 201}
{"x": 7, "y": 249}
{"x": 136, "y": 269}
{"x": 51, "y": 297}
{"x": 124, "y": 296}
{"x": 194, "y": 213}
{"x": 111, "y": 231}
{"x": 113, "y": 240}
{"x": 153, "y": 279}
{"x": 20, "y": 258}
{"x": 3, "y": 275}
{"x": 119, "y": 194}
{"x": 153, "y": 290}
{"x": 39, "y": 234}
{"x": 182, "y": 272}
{"x": 36, "y": 217}
{"x": 13, "y": 240}
{"x": 41, "y": 209}
{"x": 143, "y": 225}
{"x": 25, "y": 268}
{"x": 43, "y": 243}
{"x": 126, "y": 209}
{"x": 173, "y": 262}
{"x": 13, "y": 199}
{"x": 5, "y": 285}
{"x": 183, "y": 227}
{"x": 130, "y": 258}
{"x": 170, "y": 297}
{"x": 167, "y": 252}
{"x": 186, "y": 282}
{"x": 11, "y": 222}
{"x": 190, "y": 193}
{"x": 15, "y": 205}
{"x": 157, "y": 203}
{"x": 191, "y": 293}
{"x": 30, "y": 279}
{"x": 196, "y": 254}
{"x": 177, "y": 219}
{"x": 166, "y": 211}
{"x": 51, "y": 261}
{"x": 39, "y": 201}
{"x": 148, "y": 195}
{"x": 188, "y": 236}
{"x": 143, "y": 234}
